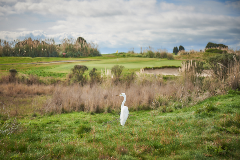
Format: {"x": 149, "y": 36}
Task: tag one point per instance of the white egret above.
{"x": 124, "y": 110}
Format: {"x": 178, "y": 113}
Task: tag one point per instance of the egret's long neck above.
{"x": 124, "y": 100}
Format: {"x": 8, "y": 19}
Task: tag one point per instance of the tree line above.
{"x": 48, "y": 48}
{"x": 215, "y": 45}
{"x": 176, "y": 49}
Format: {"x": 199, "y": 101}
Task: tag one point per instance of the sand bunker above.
{"x": 171, "y": 71}
{"x": 164, "y": 71}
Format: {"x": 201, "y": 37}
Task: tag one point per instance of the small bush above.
{"x": 158, "y": 55}
{"x": 117, "y": 71}
{"x": 150, "y": 54}
{"x": 163, "y": 54}
{"x": 95, "y": 76}
{"x": 170, "y": 56}
{"x": 130, "y": 78}
{"x": 78, "y": 74}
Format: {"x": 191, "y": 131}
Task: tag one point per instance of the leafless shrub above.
{"x": 233, "y": 79}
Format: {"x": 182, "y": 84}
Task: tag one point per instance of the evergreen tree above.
{"x": 175, "y": 50}
{"x": 181, "y": 48}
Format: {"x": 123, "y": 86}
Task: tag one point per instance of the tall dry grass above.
{"x": 13, "y": 89}
{"x": 98, "y": 98}
{"x": 144, "y": 92}
{"x": 233, "y": 79}
{"x": 140, "y": 94}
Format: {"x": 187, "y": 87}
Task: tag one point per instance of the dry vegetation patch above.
{"x": 14, "y": 89}
{"x": 143, "y": 92}
{"x": 22, "y": 99}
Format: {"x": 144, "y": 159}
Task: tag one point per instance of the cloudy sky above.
{"x": 124, "y": 24}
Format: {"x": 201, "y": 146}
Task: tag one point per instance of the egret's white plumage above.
{"x": 124, "y": 110}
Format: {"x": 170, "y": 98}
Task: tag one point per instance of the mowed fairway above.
{"x": 62, "y": 68}
{"x": 129, "y": 63}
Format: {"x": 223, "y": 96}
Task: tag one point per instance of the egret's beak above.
{"x": 117, "y": 95}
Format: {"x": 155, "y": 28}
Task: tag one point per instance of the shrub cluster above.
{"x": 149, "y": 53}
{"x": 214, "y": 45}
{"x": 215, "y": 51}
{"x": 158, "y": 54}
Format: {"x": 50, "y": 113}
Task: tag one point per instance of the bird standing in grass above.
{"x": 124, "y": 110}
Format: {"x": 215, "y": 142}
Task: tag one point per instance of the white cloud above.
{"x": 172, "y": 7}
{"x": 235, "y": 5}
{"x": 114, "y": 23}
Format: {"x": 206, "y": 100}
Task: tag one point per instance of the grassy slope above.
{"x": 196, "y": 56}
{"x": 208, "y": 130}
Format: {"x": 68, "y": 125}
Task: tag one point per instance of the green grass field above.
{"x": 128, "y": 63}
{"x": 208, "y": 130}
{"x": 62, "y": 69}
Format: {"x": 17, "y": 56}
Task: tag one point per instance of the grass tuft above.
{"x": 84, "y": 128}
